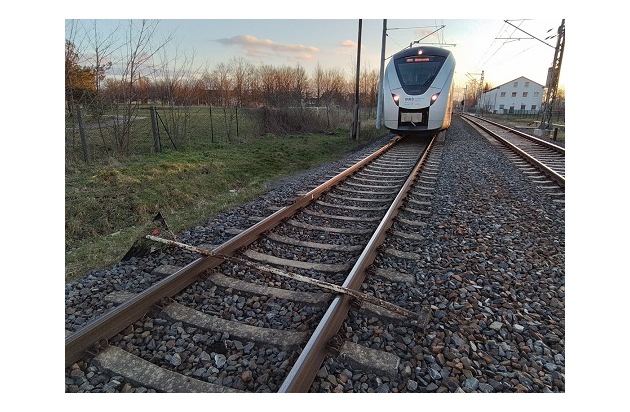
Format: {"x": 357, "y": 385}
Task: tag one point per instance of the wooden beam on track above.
{"x": 300, "y": 278}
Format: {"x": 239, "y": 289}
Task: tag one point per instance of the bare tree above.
{"x": 317, "y": 84}
{"x": 267, "y": 75}
{"x": 333, "y": 91}
{"x": 368, "y": 87}
{"x": 283, "y": 86}
{"x": 102, "y": 46}
{"x": 240, "y": 69}
{"x": 94, "y": 51}
{"x": 222, "y": 83}
{"x": 335, "y": 87}
{"x": 300, "y": 85}
{"x": 175, "y": 74}
{"x": 135, "y": 61}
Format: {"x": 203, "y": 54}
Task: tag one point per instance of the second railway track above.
{"x": 543, "y": 155}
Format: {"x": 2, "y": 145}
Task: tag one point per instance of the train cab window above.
{"x": 416, "y": 73}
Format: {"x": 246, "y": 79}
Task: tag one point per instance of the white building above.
{"x": 520, "y": 95}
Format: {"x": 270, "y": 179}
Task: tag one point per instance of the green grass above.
{"x": 110, "y": 204}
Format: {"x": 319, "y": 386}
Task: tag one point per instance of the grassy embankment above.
{"x": 108, "y": 206}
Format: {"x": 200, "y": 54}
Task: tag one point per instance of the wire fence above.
{"x": 557, "y": 116}
{"x": 91, "y": 138}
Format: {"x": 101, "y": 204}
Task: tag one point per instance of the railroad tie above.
{"x": 120, "y": 362}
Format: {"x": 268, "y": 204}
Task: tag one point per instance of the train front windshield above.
{"x": 417, "y": 72}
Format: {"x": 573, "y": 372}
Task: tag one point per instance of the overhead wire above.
{"x": 416, "y": 27}
{"x": 484, "y": 61}
{"x": 479, "y": 64}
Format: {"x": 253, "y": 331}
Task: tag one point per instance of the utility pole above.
{"x": 553, "y": 77}
{"x": 465, "y": 95}
{"x": 480, "y": 93}
{"x": 379, "y": 103}
{"x": 355, "y": 123}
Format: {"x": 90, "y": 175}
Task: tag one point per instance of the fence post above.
{"x": 211, "y": 128}
{"x": 236, "y": 108}
{"x": 84, "y": 142}
{"x": 156, "y": 130}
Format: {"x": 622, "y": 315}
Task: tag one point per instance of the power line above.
{"x": 438, "y": 28}
{"x": 408, "y": 28}
{"x": 489, "y": 48}
{"x": 507, "y": 40}
{"x": 532, "y": 36}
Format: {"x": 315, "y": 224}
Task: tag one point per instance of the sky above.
{"x": 502, "y": 49}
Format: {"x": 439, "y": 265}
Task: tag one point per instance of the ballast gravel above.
{"x": 491, "y": 268}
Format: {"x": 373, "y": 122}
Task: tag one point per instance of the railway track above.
{"x": 540, "y": 160}
{"x": 460, "y": 289}
{"x": 373, "y": 342}
{"x": 223, "y": 309}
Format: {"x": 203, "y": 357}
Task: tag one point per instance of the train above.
{"x": 418, "y": 91}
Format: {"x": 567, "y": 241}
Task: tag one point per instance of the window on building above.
{"x": 524, "y": 94}
{"x": 522, "y": 107}
{"x": 533, "y": 107}
{"x": 501, "y": 106}
{"x": 535, "y": 94}
{"x": 513, "y": 94}
{"x": 502, "y": 94}
{"x": 526, "y": 84}
{"x": 515, "y": 84}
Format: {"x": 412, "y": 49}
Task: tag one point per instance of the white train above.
{"x": 418, "y": 91}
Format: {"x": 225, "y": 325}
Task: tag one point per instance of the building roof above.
{"x": 511, "y": 81}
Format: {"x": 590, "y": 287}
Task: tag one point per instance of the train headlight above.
{"x": 396, "y": 98}
{"x": 434, "y": 98}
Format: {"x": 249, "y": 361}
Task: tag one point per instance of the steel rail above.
{"x": 558, "y": 178}
{"x": 125, "y": 314}
{"x": 545, "y": 143}
{"x": 304, "y": 371}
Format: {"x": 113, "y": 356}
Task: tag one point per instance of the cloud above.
{"x": 349, "y": 44}
{"x": 262, "y": 47}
